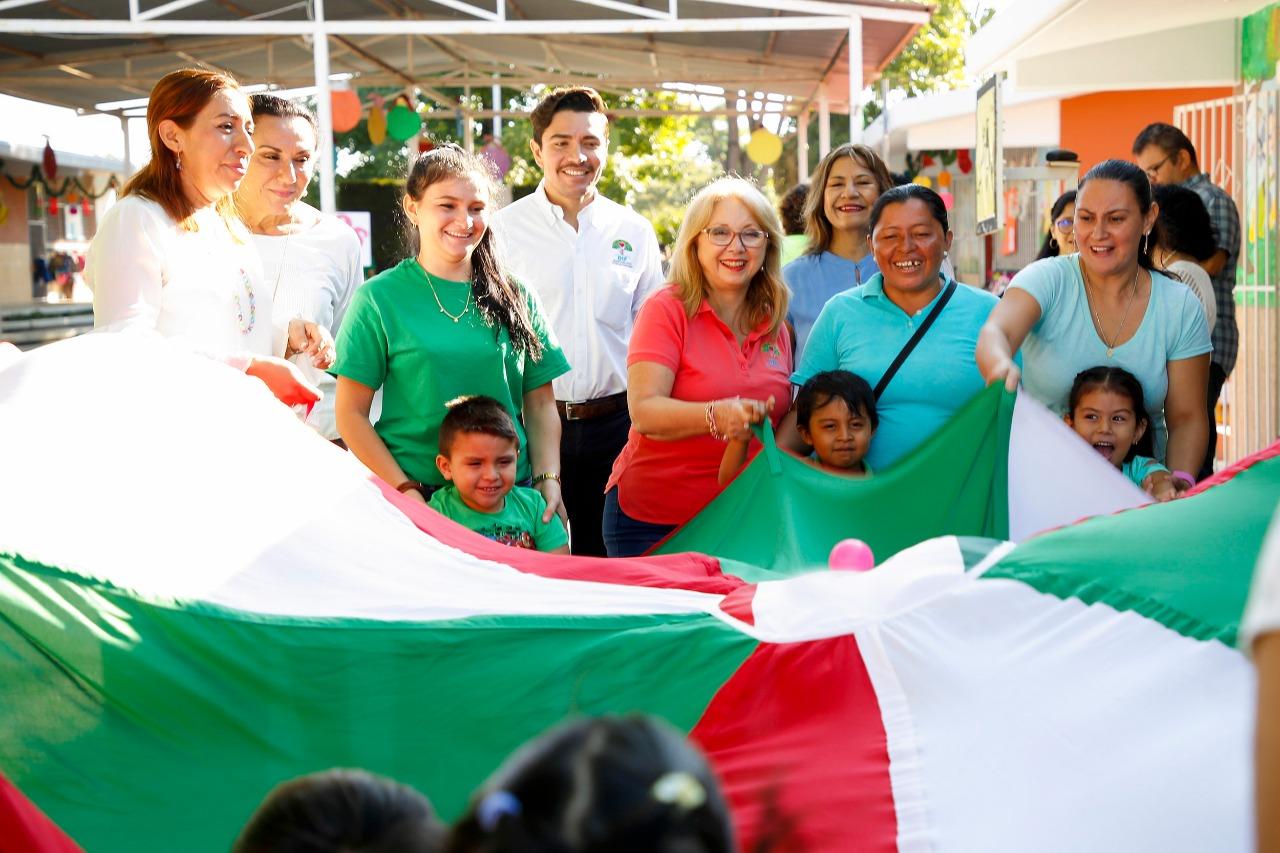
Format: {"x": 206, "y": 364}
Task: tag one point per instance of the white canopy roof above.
{"x": 946, "y": 121}
{"x": 1087, "y": 45}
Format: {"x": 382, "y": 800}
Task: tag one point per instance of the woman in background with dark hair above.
{"x": 341, "y": 810}
{"x": 791, "y": 211}
{"x": 864, "y": 329}
{"x": 1185, "y": 241}
{"x": 311, "y": 261}
{"x": 448, "y": 322}
{"x": 1107, "y": 305}
{"x": 1061, "y": 238}
{"x": 172, "y": 257}
{"x": 617, "y": 784}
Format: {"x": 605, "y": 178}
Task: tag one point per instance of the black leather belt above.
{"x": 588, "y": 409}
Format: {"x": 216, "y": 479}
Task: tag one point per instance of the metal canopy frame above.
{"x": 796, "y": 47}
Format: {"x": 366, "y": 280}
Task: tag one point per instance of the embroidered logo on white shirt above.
{"x": 624, "y": 254}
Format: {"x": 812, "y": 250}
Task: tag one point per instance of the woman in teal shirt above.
{"x": 1108, "y": 306}
{"x": 863, "y": 330}
{"x": 446, "y": 323}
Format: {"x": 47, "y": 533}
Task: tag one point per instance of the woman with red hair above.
{"x": 171, "y": 256}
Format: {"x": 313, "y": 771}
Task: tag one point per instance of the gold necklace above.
{"x": 466, "y": 305}
{"x": 1088, "y": 295}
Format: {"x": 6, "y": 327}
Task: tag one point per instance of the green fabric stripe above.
{"x": 782, "y": 516}
{"x": 1186, "y": 564}
{"x": 149, "y": 726}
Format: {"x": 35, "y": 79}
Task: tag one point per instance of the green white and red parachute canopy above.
{"x": 199, "y": 598}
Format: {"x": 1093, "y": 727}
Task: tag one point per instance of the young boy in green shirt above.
{"x": 478, "y": 452}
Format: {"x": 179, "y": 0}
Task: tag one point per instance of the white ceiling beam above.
{"x": 431, "y": 28}
{"x": 468, "y": 9}
{"x": 905, "y": 15}
{"x": 13, "y": 4}
{"x": 629, "y": 8}
{"x": 164, "y": 9}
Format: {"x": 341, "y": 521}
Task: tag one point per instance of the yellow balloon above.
{"x": 765, "y": 147}
{"x": 377, "y": 125}
{"x": 922, "y": 180}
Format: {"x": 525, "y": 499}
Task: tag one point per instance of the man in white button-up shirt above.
{"x": 592, "y": 262}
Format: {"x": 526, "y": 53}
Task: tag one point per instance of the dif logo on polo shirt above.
{"x": 624, "y": 254}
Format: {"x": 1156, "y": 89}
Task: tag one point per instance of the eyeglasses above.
{"x": 1065, "y": 225}
{"x": 752, "y": 238}
{"x": 1151, "y": 171}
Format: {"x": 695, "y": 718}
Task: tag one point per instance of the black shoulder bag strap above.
{"x": 915, "y": 339}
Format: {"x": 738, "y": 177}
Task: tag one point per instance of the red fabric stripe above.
{"x": 695, "y": 572}
{"x": 797, "y": 740}
{"x": 1232, "y": 470}
{"x": 738, "y": 604}
{"x": 25, "y": 829}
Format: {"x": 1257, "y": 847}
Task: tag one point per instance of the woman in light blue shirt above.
{"x": 1108, "y": 306}
{"x": 862, "y": 330}
{"x": 837, "y": 215}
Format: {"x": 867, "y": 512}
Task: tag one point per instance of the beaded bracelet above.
{"x": 711, "y": 422}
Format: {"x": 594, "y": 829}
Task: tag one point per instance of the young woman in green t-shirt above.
{"x": 445, "y": 323}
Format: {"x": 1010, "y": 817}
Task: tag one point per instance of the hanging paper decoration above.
{"x": 4, "y": 212}
{"x": 377, "y": 122}
{"x": 53, "y": 205}
{"x": 346, "y": 109}
{"x": 425, "y": 144}
{"x": 948, "y": 200}
{"x": 403, "y": 123}
{"x": 765, "y": 147}
{"x": 50, "y": 161}
{"x": 944, "y": 179}
{"x": 922, "y": 180}
{"x": 926, "y": 161}
{"x": 965, "y": 161}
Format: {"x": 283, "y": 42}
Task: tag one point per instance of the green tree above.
{"x": 655, "y": 163}
{"x": 934, "y": 59}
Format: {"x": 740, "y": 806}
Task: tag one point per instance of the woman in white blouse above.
{"x": 311, "y": 261}
{"x": 172, "y": 257}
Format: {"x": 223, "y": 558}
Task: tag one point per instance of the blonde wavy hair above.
{"x": 767, "y": 296}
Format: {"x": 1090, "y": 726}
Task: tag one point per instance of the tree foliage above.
{"x": 934, "y": 59}
{"x": 655, "y": 164}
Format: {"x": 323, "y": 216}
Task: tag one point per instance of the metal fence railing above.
{"x": 1238, "y": 142}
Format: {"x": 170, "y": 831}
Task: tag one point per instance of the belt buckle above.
{"x": 569, "y": 408}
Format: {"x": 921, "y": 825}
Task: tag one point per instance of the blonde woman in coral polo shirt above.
{"x": 709, "y": 357}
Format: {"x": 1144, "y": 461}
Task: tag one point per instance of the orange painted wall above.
{"x": 1103, "y": 125}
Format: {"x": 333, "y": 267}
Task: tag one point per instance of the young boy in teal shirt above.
{"x": 478, "y": 452}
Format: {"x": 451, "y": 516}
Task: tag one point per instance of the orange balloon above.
{"x": 346, "y": 109}
{"x": 944, "y": 178}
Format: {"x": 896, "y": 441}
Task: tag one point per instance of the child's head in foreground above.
{"x": 1106, "y": 409}
{"x": 478, "y": 452}
{"x": 836, "y": 416}
{"x": 340, "y": 810}
{"x": 617, "y": 784}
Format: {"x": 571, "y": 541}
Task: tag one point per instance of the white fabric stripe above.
{"x": 1050, "y": 725}
{"x": 906, "y": 770}
{"x": 220, "y": 494}
{"x": 1055, "y": 478}
{"x": 832, "y": 603}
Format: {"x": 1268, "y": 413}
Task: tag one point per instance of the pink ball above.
{"x": 851, "y": 555}
{"x": 948, "y": 200}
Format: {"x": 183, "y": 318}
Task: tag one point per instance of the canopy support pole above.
{"x": 324, "y": 110}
